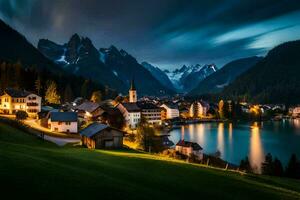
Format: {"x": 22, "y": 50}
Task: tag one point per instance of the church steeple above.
{"x": 132, "y": 93}
{"x": 132, "y": 86}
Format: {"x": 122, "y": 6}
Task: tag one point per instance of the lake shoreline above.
{"x": 238, "y": 139}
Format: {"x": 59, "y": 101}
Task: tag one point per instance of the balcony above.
{"x": 32, "y": 104}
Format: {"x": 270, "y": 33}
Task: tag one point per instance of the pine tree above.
{"x": 3, "y": 76}
{"x": 38, "y": 85}
{"x": 52, "y": 95}
{"x": 84, "y": 89}
{"x": 221, "y": 109}
{"x": 68, "y": 94}
{"x": 17, "y": 74}
{"x": 293, "y": 168}
{"x": 245, "y": 165}
{"x": 278, "y": 169}
{"x": 96, "y": 97}
{"x": 267, "y": 165}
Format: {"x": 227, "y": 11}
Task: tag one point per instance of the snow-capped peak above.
{"x": 179, "y": 75}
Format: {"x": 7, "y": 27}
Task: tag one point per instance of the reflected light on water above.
{"x": 256, "y": 154}
{"x": 200, "y": 132}
{"x": 182, "y": 133}
{"x": 221, "y": 137}
{"x": 230, "y": 132}
{"x": 191, "y": 132}
{"x": 297, "y": 123}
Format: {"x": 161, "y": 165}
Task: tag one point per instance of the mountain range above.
{"x": 15, "y": 49}
{"x": 217, "y": 81}
{"x": 159, "y": 75}
{"x": 108, "y": 66}
{"x": 270, "y": 79}
{"x": 274, "y": 79}
{"x": 182, "y": 79}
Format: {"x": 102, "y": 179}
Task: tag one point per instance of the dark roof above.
{"x": 204, "y": 104}
{"x": 171, "y": 105}
{"x": 17, "y": 93}
{"x": 95, "y": 128}
{"x": 63, "y": 116}
{"x": 146, "y": 105}
{"x": 194, "y": 145}
{"x": 132, "y": 85}
{"x": 88, "y": 106}
{"x": 131, "y": 107}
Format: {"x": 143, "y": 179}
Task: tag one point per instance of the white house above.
{"x": 198, "y": 109}
{"x": 170, "y": 111}
{"x": 131, "y": 113}
{"x": 189, "y": 148}
{"x": 150, "y": 112}
{"x": 295, "y": 111}
{"x": 63, "y": 122}
{"x": 13, "y": 100}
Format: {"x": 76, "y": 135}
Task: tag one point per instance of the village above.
{"x": 136, "y": 123}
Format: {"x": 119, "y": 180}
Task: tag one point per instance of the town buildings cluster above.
{"x": 94, "y": 120}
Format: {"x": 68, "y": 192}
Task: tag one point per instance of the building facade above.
{"x": 198, "y": 109}
{"x": 13, "y": 100}
{"x": 131, "y": 113}
{"x": 101, "y": 136}
{"x": 63, "y": 122}
{"x": 150, "y": 112}
{"x": 295, "y": 112}
{"x": 189, "y": 149}
{"x": 89, "y": 111}
{"x": 169, "y": 111}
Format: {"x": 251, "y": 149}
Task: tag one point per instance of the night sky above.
{"x": 167, "y": 33}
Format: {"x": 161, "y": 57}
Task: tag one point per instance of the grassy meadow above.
{"x": 30, "y": 167}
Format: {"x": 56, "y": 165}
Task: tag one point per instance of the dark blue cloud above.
{"x": 167, "y": 33}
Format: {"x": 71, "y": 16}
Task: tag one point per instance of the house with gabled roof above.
{"x": 189, "y": 148}
{"x": 13, "y": 100}
{"x": 131, "y": 111}
{"x": 169, "y": 111}
{"x": 89, "y": 110}
{"x": 63, "y": 122}
{"x": 101, "y": 136}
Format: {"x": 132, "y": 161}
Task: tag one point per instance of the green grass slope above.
{"x": 33, "y": 168}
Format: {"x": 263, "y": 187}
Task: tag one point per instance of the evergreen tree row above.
{"x": 54, "y": 88}
{"x": 273, "y": 167}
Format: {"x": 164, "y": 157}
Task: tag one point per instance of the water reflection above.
{"x": 200, "y": 134}
{"x": 296, "y": 122}
{"x": 256, "y": 154}
{"x": 182, "y": 133}
{"x": 220, "y": 145}
{"x": 230, "y": 133}
{"x": 236, "y": 141}
{"x": 191, "y": 132}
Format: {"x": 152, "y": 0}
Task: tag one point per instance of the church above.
{"x": 130, "y": 110}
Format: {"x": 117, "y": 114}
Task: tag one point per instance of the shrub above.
{"x": 21, "y": 115}
{"x": 245, "y": 165}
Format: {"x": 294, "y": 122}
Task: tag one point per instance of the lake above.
{"x": 235, "y": 141}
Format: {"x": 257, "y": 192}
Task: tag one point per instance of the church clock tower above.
{"x": 132, "y": 93}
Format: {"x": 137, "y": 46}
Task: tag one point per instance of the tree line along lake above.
{"x": 235, "y": 141}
